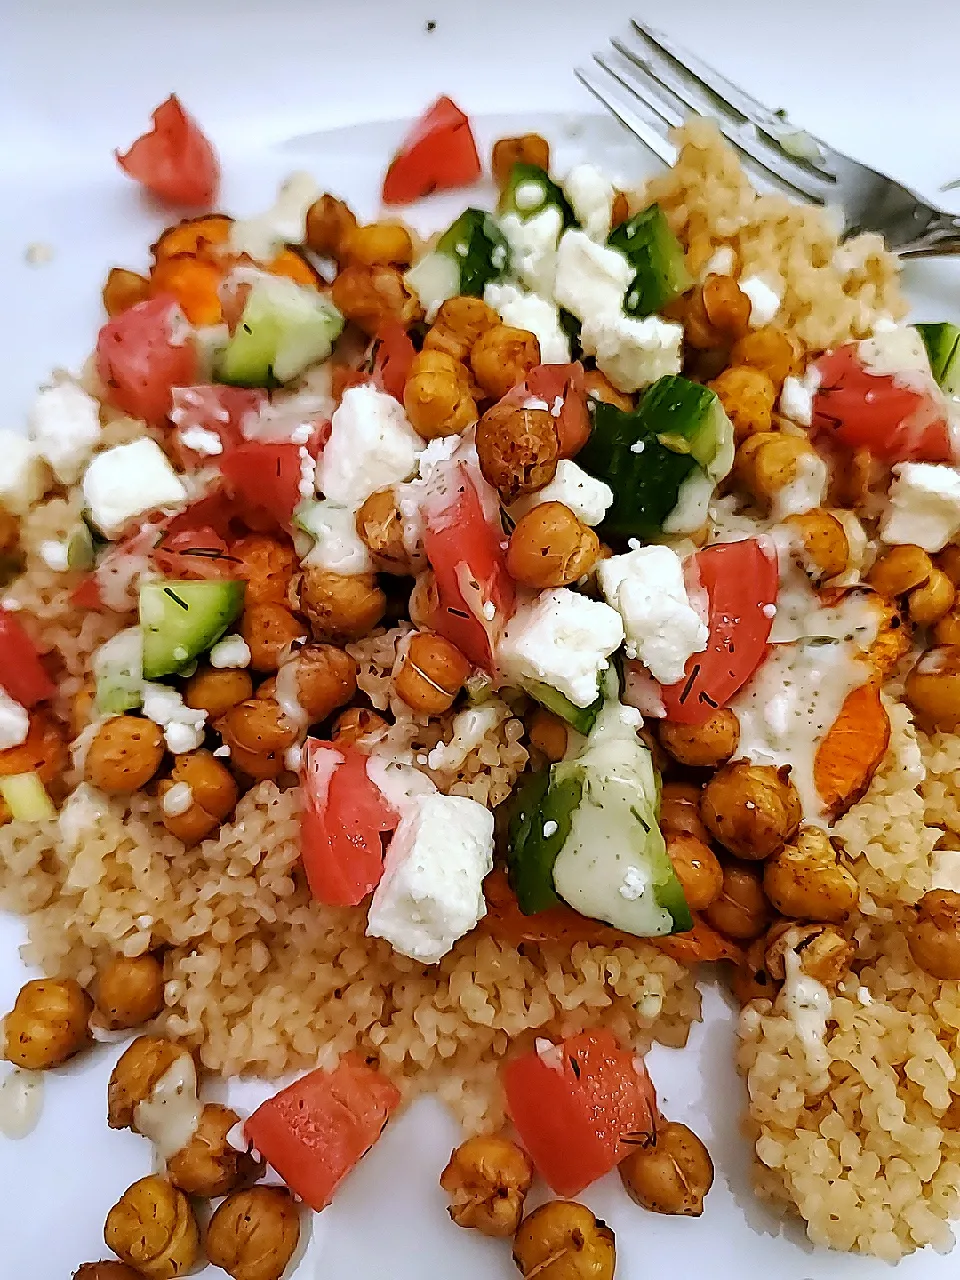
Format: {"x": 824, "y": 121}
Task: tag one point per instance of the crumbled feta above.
{"x": 533, "y": 313}
{"x": 528, "y": 195}
{"x": 177, "y": 799}
{"x": 633, "y": 353}
{"x": 587, "y": 497}
{"x": 662, "y": 628}
{"x": 434, "y": 279}
{"x": 764, "y": 300}
{"x": 806, "y": 491}
{"x": 721, "y": 262}
{"x": 533, "y": 247}
{"x": 182, "y": 726}
{"x": 945, "y": 869}
{"x": 14, "y": 722}
{"x": 81, "y": 814}
{"x": 591, "y": 197}
{"x": 293, "y": 758}
{"x": 39, "y": 253}
{"x": 591, "y": 279}
{"x": 564, "y": 640}
{"x": 550, "y": 828}
{"x": 431, "y": 892}
{"x": 371, "y": 446}
{"x": 338, "y": 547}
{"x": 796, "y": 398}
{"x": 128, "y": 480}
{"x": 924, "y": 507}
{"x": 898, "y": 352}
{"x": 633, "y": 885}
{"x": 23, "y": 473}
{"x": 232, "y": 652}
{"x": 65, "y": 426}
{"x": 55, "y": 555}
{"x": 201, "y": 441}
{"x": 265, "y": 234}
{"x": 410, "y": 497}
{"x": 308, "y": 473}
{"x": 469, "y": 729}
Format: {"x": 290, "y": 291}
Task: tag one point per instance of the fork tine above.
{"x": 653, "y": 133}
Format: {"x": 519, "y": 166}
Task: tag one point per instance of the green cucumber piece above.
{"x": 81, "y": 551}
{"x": 118, "y": 670}
{"x": 477, "y": 245}
{"x": 181, "y": 620}
{"x": 26, "y": 797}
{"x": 530, "y": 190}
{"x": 284, "y": 329}
{"x": 580, "y": 718}
{"x": 942, "y": 342}
{"x": 540, "y": 822}
{"x": 655, "y": 253}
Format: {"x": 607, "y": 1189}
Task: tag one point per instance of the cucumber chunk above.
{"x": 580, "y": 718}
{"x": 655, "y": 253}
{"x": 530, "y": 190}
{"x": 540, "y": 821}
{"x": 477, "y": 246}
{"x": 118, "y": 670}
{"x": 181, "y": 620}
{"x": 26, "y": 797}
{"x": 942, "y": 342}
{"x": 284, "y": 329}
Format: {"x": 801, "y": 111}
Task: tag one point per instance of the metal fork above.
{"x": 651, "y": 85}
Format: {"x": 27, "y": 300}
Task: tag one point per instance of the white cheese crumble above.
{"x": 633, "y": 884}
{"x": 721, "y": 263}
{"x": 65, "y": 425}
{"x": 230, "y": 653}
{"x": 182, "y": 726}
{"x": 128, "y": 480}
{"x": 14, "y": 722}
{"x": 796, "y": 397}
{"x": 55, "y": 556}
{"x": 469, "y": 730}
{"x": 564, "y": 640}
{"x": 924, "y": 506}
{"x": 177, "y": 799}
{"x": 591, "y": 279}
{"x": 805, "y": 492}
{"x": 764, "y": 300}
{"x": 591, "y": 196}
{"x": 23, "y": 472}
{"x": 587, "y": 497}
{"x": 535, "y": 314}
{"x": 201, "y": 440}
{"x": 550, "y": 828}
{"x": 533, "y": 247}
{"x": 371, "y": 446}
{"x": 632, "y": 353}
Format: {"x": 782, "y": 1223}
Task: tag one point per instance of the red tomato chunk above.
{"x": 142, "y": 354}
{"x": 174, "y": 160}
{"x": 438, "y": 154}
{"x": 21, "y": 671}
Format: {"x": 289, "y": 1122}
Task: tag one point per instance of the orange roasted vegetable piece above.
{"x": 850, "y": 754}
{"x": 44, "y": 751}
{"x": 198, "y": 237}
{"x": 701, "y": 943}
{"x": 292, "y": 264}
{"x": 194, "y": 282}
{"x": 507, "y": 923}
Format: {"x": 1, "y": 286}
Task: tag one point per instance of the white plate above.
{"x": 68, "y": 95}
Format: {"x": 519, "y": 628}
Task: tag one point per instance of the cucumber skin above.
{"x": 553, "y": 195}
{"x": 531, "y": 854}
{"x": 478, "y": 230}
{"x": 158, "y": 659}
{"x": 649, "y": 245}
{"x": 942, "y": 341}
{"x": 580, "y": 718}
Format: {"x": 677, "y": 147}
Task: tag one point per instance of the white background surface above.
{"x": 78, "y": 79}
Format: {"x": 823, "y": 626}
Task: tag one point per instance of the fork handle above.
{"x": 939, "y": 239}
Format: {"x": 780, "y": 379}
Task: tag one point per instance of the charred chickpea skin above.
{"x": 122, "y": 290}
{"x": 380, "y": 529}
{"x": 748, "y": 396}
{"x": 266, "y": 565}
{"x": 716, "y": 313}
{"x": 487, "y": 1179}
{"x": 751, "y": 979}
{"x": 822, "y": 951}
{"x": 372, "y": 296}
{"x": 257, "y": 733}
{"x": 599, "y": 387}
{"x": 806, "y": 880}
{"x": 124, "y": 755}
{"x": 949, "y": 561}
{"x": 431, "y": 674}
{"x": 44, "y": 752}
{"x": 378, "y": 244}
{"x": 934, "y": 936}
{"x": 933, "y": 688}
{"x": 825, "y": 548}
{"x": 135, "y": 1075}
{"x": 771, "y": 351}
{"x": 254, "y": 1233}
{"x": 129, "y": 991}
{"x": 908, "y": 571}
{"x": 213, "y": 795}
{"x": 742, "y": 911}
{"x": 697, "y": 868}
{"x": 518, "y": 450}
{"x": 153, "y": 1228}
{"x": 326, "y": 679}
{"x": 751, "y": 809}
{"x": 329, "y": 221}
{"x": 340, "y": 606}
{"x": 208, "y": 1165}
{"x": 551, "y": 547}
{"x": 503, "y": 356}
{"x": 562, "y": 1240}
{"x": 358, "y": 724}
{"x": 946, "y": 632}
{"x": 437, "y": 395}
{"x": 216, "y": 691}
{"x": 769, "y": 460}
{"x": 106, "y": 1271}
{"x": 460, "y": 323}
{"x": 703, "y": 746}
{"x": 680, "y": 810}
{"x": 528, "y": 148}
{"x": 673, "y": 1175}
{"x": 269, "y": 630}
{"x": 48, "y": 1024}
{"x": 548, "y": 733}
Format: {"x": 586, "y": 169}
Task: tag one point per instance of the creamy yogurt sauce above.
{"x": 169, "y": 1117}
{"x": 21, "y": 1101}
{"x": 807, "y": 1004}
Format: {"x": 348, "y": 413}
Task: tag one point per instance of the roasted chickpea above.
{"x": 824, "y": 550}
{"x": 106, "y": 1271}
{"x": 946, "y": 633}
{"x": 487, "y": 1179}
{"x": 752, "y": 809}
{"x": 929, "y": 603}
{"x": 528, "y": 148}
{"x": 599, "y": 387}
{"x": 459, "y": 323}
{"x": 358, "y": 724}
{"x": 518, "y": 450}
{"x": 805, "y": 879}
{"x": 742, "y": 910}
{"x": 123, "y": 289}
{"x": 697, "y": 868}
{"x": 548, "y": 733}
{"x": 380, "y": 529}
{"x": 503, "y": 356}
{"x": 48, "y": 1023}
{"x": 748, "y": 396}
{"x": 212, "y": 795}
{"x": 822, "y": 952}
{"x": 209, "y": 1165}
{"x": 562, "y": 1240}
{"x": 378, "y": 244}
{"x": 372, "y": 296}
{"x": 257, "y": 733}
{"x": 770, "y": 460}
{"x": 934, "y": 937}
{"x": 340, "y": 606}
{"x": 329, "y": 221}
{"x": 253, "y": 1234}
{"x": 129, "y": 991}
{"x": 770, "y": 350}
{"x": 326, "y": 679}
{"x": 437, "y": 395}
{"x": 124, "y": 755}
{"x": 900, "y": 570}
{"x": 142, "y": 1064}
{"x": 620, "y": 209}
{"x": 269, "y": 630}
{"x": 716, "y": 313}
{"x": 266, "y": 565}
{"x": 703, "y": 746}
{"x": 551, "y": 547}
{"x": 424, "y": 599}
{"x": 751, "y": 979}
{"x": 948, "y": 561}
{"x": 671, "y": 1176}
{"x": 82, "y": 708}
{"x": 431, "y": 674}
{"x": 216, "y": 691}
{"x": 933, "y": 688}
{"x": 680, "y": 810}
{"x": 152, "y": 1227}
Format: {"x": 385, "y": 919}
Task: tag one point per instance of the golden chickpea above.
{"x": 900, "y": 570}
{"x": 770, "y": 350}
{"x": 48, "y": 1023}
{"x": 599, "y": 387}
{"x": 680, "y": 810}
{"x": 213, "y": 791}
{"x": 620, "y": 209}
{"x": 437, "y": 395}
{"x": 770, "y": 460}
{"x": 752, "y": 809}
{"x": 257, "y": 733}
{"x": 551, "y": 547}
{"x": 502, "y": 357}
{"x": 822, "y": 951}
{"x": 805, "y": 880}
{"x": 671, "y": 1176}
{"x": 948, "y": 561}
{"x": 932, "y": 601}
{"x": 946, "y": 633}
{"x": 548, "y": 733}
{"x": 372, "y": 296}
{"x": 933, "y": 688}
{"x": 825, "y": 550}
{"x": 748, "y": 396}
{"x": 751, "y": 979}
{"x": 216, "y": 691}
{"x": 269, "y": 630}
{"x": 742, "y": 911}
{"x": 82, "y": 709}
{"x": 134, "y": 1077}
{"x": 424, "y": 599}
{"x": 378, "y": 244}
{"x": 934, "y": 937}
{"x": 459, "y": 323}
{"x": 518, "y": 450}
{"x": 106, "y": 1271}
{"x": 123, "y": 289}
{"x": 528, "y": 148}
{"x": 380, "y": 529}
{"x": 129, "y": 991}
{"x": 716, "y": 313}
{"x": 431, "y": 674}
{"x": 124, "y": 755}
{"x": 253, "y": 1234}
{"x": 153, "y": 1228}
{"x": 340, "y": 606}
{"x": 703, "y": 746}
{"x": 562, "y": 1240}
{"x": 329, "y": 221}
{"x": 697, "y": 868}
{"x": 487, "y": 1179}
{"x": 44, "y": 752}
{"x": 266, "y": 565}
{"x": 208, "y": 1165}
{"x": 358, "y": 724}
{"x": 326, "y": 680}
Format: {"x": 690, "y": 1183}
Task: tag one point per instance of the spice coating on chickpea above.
{"x": 770, "y": 350}
{"x": 340, "y": 606}
{"x": 377, "y": 244}
{"x": 213, "y": 795}
{"x": 431, "y": 674}
{"x": 124, "y": 755}
{"x": 502, "y": 357}
{"x": 715, "y": 313}
{"x": 562, "y": 1240}
{"x": 518, "y": 450}
{"x": 105, "y": 1271}
{"x": 326, "y": 679}
{"x": 768, "y": 461}
{"x": 551, "y": 547}
{"x": 459, "y": 323}
{"x": 825, "y": 548}
{"x": 527, "y": 148}
{"x": 380, "y": 529}
{"x": 671, "y": 1176}
{"x": 328, "y": 222}
{"x": 928, "y": 603}
{"x": 253, "y": 1234}
{"x": 748, "y": 396}
{"x": 48, "y": 1024}
{"x": 266, "y": 564}
{"x": 216, "y": 691}
{"x": 129, "y": 991}
{"x": 900, "y": 570}
{"x": 436, "y": 395}
{"x": 703, "y": 746}
{"x": 372, "y": 296}
{"x": 487, "y": 1179}
{"x": 752, "y": 809}
{"x": 806, "y": 880}
{"x": 824, "y": 953}
{"x": 134, "y": 1077}
{"x": 742, "y": 911}
{"x": 153, "y": 1228}
{"x": 599, "y": 387}
{"x": 257, "y": 733}
{"x": 209, "y": 1165}
{"x": 680, "y": 810}
{"x": 269, "y": 629}
{"x": 358, "y": 724}
{"x": 123, "y": 289}
{"x": 933, "y": 688}
{"x": 934, "y": 937}
{"x": 697, "y": 868}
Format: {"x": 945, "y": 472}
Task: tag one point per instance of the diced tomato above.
{"x": 266, "y": 476}
{"x": 579, "y": 1107}
{"x": 879, "y": 412}
{"x": 21, "y": 672}
{"x": 741, "y": 580}
{"x": 318, "y": 1128}
{"x": 197, "y": 554}
{"x": 215, "y": 408}
{"x": 438, "y": 154}
{"x": 550, "y": 382}
{"x": 466, "y": 554}
{"x": 174, "y": 160}
{"x": 141, "y": 357}
{"x": 393, "y": 359}
{"x": 343, "y": 817}
{"x": 86, "y": 594}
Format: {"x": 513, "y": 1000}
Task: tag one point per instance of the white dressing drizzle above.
{"x": 171, "y": 1114}
{"x": 807, "y": 1004}
{"x": 21, "y": 1100}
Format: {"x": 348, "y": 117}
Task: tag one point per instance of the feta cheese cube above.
{"x": 764, "y": 300}
{"x": 23, "y": 473}
{"x": 564, "y": 640}
{"x": 207, "y": 443}
{"x": 65, "y": 426}
{"x": 924, "y": 507}
{"x": 796, "y": 398}
{"x": 533, "y": 247}
{"x": 591, "y": 279}
{"x": 662, "y": 628}
{"x": 591, "y": 198}
{"x": 431, "y": 892}
{"x": 531, "y": 312}
{"x": 14, "y": 722}
{"x": 128, "y": 480}
{"x": 182, "y": 726}
{"x": 586, "y": 497}
{"x": 806, "y": 491}
{"x": 371, "y": 446}
{"x": 721, "y": 262}
{"x": 230, "y": 653}
{"x": 633, "y": 353}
